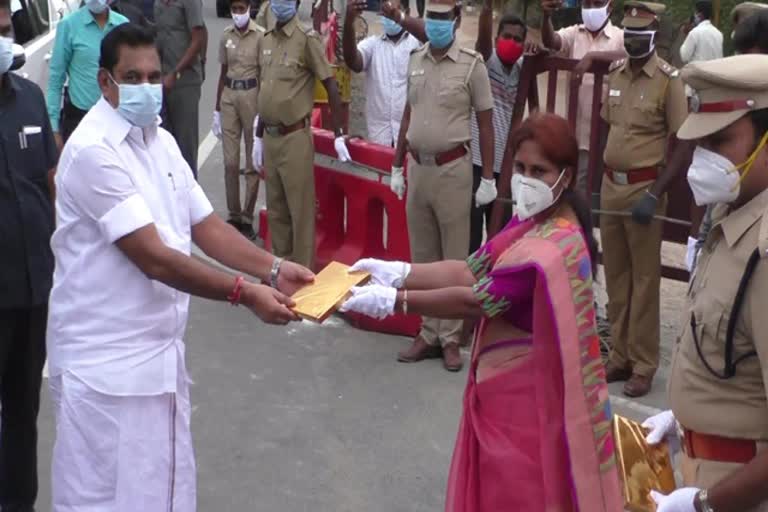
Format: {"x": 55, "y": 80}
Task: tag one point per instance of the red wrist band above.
{"x": 234, "y": 297}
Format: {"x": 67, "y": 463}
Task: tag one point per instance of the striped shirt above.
{"x": 504, "y": 91}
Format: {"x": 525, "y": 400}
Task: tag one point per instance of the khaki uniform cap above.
{"x": 641, "y": 14}
{"x": 441, "y": 5}
{"x": 725, "y": 90}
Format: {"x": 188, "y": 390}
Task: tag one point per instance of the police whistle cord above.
{"x": 619, "y": 213}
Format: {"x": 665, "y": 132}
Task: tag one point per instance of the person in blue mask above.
{"x": 384, "y": 58}
{"x": 445, "y": 84}
{"x": 128, "y": 212}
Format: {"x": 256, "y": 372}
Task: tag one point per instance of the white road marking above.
{"x": 205, "y": 149}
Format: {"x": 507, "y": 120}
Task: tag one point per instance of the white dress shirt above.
{"x": 704, "y": 42}
{"x": 109, "y": 324}
{"x": 385, "y": 63}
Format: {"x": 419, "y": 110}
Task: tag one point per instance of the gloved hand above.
{"x": 385, "y": 273}
{"x": 690, "y": 253}
{"x": 373, "y": 300}
{"x": 341, "y": 149}
{"x": 486, "y": 192}
{"x": 661, "y": 426}
{"x": 643, "y": 210}
{"x": 216, "y": 125}
{"x": 397, "y": 182}
{"x": 679, "y": 501}
{"x": 257, "y": 154}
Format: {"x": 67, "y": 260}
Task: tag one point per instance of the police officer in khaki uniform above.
{"x": 236, "y": 102}
{"x": 445, "y": 83}
{"x": 717, "y": 385}
{"x": 646, "y": 104}
{"x": 291, "y": 58}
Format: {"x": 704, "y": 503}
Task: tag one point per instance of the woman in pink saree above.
{"x": 535, "y": 434}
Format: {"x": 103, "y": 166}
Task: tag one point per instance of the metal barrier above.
{"x": 678, "y": 219}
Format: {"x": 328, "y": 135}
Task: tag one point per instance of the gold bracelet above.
{"x": 405, "y": 302}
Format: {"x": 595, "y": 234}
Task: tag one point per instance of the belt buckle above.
{"x": 239, "y": 85}
{"x": 620, "y": 178}
{"x": 429, "y": 159}
{"x": 272, "y": 130}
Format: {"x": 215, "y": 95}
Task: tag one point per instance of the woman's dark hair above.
{"x": 127, "y": 34}
{"x": 511, "y": 19}
{"x": 752, "y": 33}
{"x": 556, "y": 140}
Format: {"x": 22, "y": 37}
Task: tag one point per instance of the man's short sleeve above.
{"x": 366, "y": 48}
{"x": 194, "y": 13}
{"x": 567, "y": 38}
{"x": 316, "y": 60}
{"x": 103, "y": 190}
{"x": 480, "y": 88}
{"x": 223, "y": 50}
{"x": 200, "y": 207}
{"x": 677, "y": 105}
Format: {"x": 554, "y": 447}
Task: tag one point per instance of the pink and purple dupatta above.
{"x": 537, "y": 437}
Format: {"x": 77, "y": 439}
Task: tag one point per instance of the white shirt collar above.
{"x": 118, "y": 127}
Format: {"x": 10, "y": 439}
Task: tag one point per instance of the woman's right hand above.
{"x": 385, "y": 273}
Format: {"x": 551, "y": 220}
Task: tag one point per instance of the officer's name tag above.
{"x": 417, "y": 72}
{"x": 614, "y": 93}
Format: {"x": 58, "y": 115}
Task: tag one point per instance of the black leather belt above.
{"x": 241, "y": 85}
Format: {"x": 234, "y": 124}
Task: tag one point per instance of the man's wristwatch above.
{"x": 703, "y": 499}
{"x": 275, "y": 272}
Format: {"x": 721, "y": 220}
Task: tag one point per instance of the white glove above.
{"x": 341, "y": 149}
{"x": 373, "y": 300}
{"x": 397, "y": 182}
{"x": 216, "y": 125}
{"x": 257, "y": 153}
{"x": 486, "y": 192}
{"x": 690, "y": 253}
{"x": 662, "y": 426}
{"x": 385, "y": 273}
{"x": 679, "y": 501}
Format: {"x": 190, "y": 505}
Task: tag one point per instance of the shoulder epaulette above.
{"x": 668, "y": 69}
{"x": 309, "y": 31}
{"x": 473, "y": 53}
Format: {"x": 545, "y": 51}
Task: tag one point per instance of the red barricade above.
{"x": 351, "y": 210}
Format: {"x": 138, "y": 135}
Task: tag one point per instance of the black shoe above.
{"x": 247, "y": 231}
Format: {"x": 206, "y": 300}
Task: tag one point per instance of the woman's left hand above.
{"x": 373, "y": 300}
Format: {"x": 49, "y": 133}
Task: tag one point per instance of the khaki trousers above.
{"x": 632, "y": 260}
{"x": 289, "y": 163}
{"x": 438, "y": 210}
{"x": 706, "y": 473}
{"x": 238, "y": 110}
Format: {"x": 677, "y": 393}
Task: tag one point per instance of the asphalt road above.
{"x": 307, "y": 418}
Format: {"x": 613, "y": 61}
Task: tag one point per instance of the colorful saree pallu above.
{"x": 535, "y": 435}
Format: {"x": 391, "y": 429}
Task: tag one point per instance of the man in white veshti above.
{"x": 127, "y": 211}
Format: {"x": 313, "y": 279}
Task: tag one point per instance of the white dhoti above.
{"x": 122, "y": 453}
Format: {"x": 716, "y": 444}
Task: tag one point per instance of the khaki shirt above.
{"x": 265, "y": 17}
{"x": 174, "y": 21}
{"x": 290, "y": 60}
{"x": 239, "y": 51}
{"x": 442, "y": 94}
{"x": 734, "y": 407}
{"x": 642, "y": 112}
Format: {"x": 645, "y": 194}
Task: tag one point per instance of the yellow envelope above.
{"x": 331, "y": 288}
{"x": 641, "y": 467}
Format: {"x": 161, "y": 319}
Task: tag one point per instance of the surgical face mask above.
{"x": 532, "y": 196}
{"x": 714, "y": 179}
{"x": 439, "y": 32}
{"x": 594, "y": 19}
{"x": 390, "y": 27}
{"x": 6, "y": 54}
{"x": 283, "y": 10}
{"x": 140, "y": 104}
{"x": 97, "y": 6}
{"x": 639, "y": 43}
{"x": 241, "y": 20}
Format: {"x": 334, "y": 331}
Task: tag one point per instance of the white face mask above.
{"x": 532, "y": 196}
{"x": 6, "y": 54}
{"x": 594, "y": 19}
{"x": 241, "y": 20}
{"x": 712, "y": 178}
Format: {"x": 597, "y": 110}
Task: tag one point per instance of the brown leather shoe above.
{"x": 452, "y": 357}
{"x": 615, "y": 374}
{"x": 637, "y": 386}
{"x": 419, "y": 351}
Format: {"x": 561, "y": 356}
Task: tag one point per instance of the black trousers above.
{"x": 419, "y": 7}
{"x": 480, "y": 216}
{"x": 22, "y": 356}
{"x": 70, "y": 118}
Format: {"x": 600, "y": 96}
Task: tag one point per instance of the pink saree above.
{"x": 535, "y": 434}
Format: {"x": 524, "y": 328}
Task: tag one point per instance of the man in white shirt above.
{"x": 384, "y": 58}
{"x": 704, "y": 41}
{"x": 128, "y": 209}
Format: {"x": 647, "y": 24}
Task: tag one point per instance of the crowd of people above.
{"x": 99, "y": 182}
